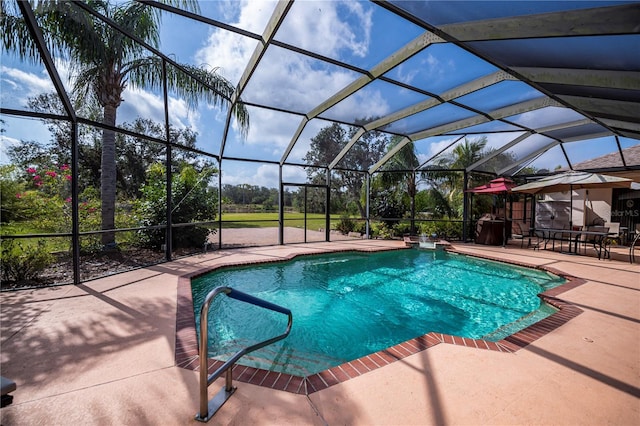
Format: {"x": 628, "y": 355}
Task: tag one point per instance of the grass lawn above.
{"x": 265, "y": 220}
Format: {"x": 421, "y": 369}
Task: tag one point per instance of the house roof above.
{"x": 613, "y": 164}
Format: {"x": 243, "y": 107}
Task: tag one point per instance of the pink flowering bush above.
{"x": 43, "y": 197}
{"x": 38, "y": 200}
{"x": 54, "y": 181}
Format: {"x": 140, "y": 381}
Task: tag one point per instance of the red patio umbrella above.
{"x": 497, "y": 186}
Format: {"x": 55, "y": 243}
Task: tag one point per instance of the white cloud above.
{"x": 227, "y": 51}
{"x": 274, "y": 126}
{"x": 254, "y": 15}
{"x": 11, "y": 83}
{"x": 497, "y": 140}
{"x": 23, "y": 84}
{"x": 304, "y": 141}
{"x": 547, "y": 116}
{"x": 142, "y": 103}
{"x": 264, "y": 175}
{"x": 429, "y": 68}
{"x": 334, "y": 23}
{"x": 407, "y": 74}
{"x": 288, "y": 80}
{"x": 5, "y": 143}
{"x": 291, "y": 81}
{"x": 19, "y": 85}
{"x": 422, "y": 158}
{"x": 438, "y": 146}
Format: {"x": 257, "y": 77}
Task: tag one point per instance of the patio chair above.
{"x": 520, "y": 231}
{"x": 614, "y": 231}
{"x": 540, "y": 237}
{"x": 612, "y": 238}
{"x": 632, "y": 247}
{"x": 561, "y": 237}
{"x": 598, "y": 243}
{"x": 523, "y": 231}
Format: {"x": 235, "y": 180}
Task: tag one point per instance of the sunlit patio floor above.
{"x": 104, "y": 353}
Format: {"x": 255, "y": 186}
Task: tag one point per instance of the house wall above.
{"x": 589, "y": 206}
{"x": 551, "y": 213}
{"x": 597, "y": 205}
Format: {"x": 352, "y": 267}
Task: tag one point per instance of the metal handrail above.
{"x": 209, "y": 408}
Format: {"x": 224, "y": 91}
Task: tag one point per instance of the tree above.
{"x": 193, "y": 200}
{"x": 349, "y": 174}
{"x": 105, "y": 61}
{"x": 400, "y": 172}
{"x": 135, "y": 154}
{"x": 449, "y": 184}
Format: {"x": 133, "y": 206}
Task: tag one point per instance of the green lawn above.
{"x": 230, "y": 220}
{"x": 315, "y": 221}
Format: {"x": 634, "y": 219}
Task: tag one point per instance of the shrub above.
{"x": 193, "y": 201}
{"x": 381, "y": 230}
{"x": 443, "y": 229}
{"x": 346, "y": 225}
{"x": 11, "y": 194}
{"x": 361, "y": 227}
{"x": 39, "y": 195}
{"x": 22, "y": 263}
{"x": 401, "y": 228}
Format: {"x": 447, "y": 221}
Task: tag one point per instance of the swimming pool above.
{"x": 348, "y": 305}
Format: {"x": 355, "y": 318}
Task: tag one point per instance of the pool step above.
{"x": 274, "y": 358}
{"x": 519, "y": 324}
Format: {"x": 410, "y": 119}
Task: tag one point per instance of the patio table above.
{"x": 551, "y": 234}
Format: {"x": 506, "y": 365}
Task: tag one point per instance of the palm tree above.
{"x": 105, "y": 62}
{"x": 462, "y": 156}
{"x": 401, "y": 173}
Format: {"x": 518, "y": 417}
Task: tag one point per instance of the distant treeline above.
{"x": 253, "y": 194}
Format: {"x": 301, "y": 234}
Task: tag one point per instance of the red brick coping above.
{"x": 186, "y": 351}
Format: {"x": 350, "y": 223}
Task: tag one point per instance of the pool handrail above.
{"x": 209, "y": 408}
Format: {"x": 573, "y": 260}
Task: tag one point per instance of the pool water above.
{"x": 348, "y": 305}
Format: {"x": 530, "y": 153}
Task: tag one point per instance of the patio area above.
{"x": 104, "y": 353}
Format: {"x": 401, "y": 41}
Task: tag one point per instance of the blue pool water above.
{"x": 348, "y": 305}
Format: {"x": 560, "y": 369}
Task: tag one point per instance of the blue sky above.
{"x": 359, "y": 33}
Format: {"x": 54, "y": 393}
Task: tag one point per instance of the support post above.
{"x": 465, "y": 205}
{"x": 281, "y": 209}
{"x": 327, "y": 216}
{"x": 368, "y": 196}
{"x": 471, "y": 227}
{"x": 75, "y": 214}
{"x": 168, "y": 231}
{"x": 220, "y": 203}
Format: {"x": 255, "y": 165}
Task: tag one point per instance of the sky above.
{"x": 358, "y": 33}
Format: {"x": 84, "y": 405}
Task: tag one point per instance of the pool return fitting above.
{"x": 209, "y": 408}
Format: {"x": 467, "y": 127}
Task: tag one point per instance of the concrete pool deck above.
{"x": 104, "y": 353}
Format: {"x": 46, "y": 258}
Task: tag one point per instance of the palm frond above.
{"x": 16, "y": 37}
{"x": 83, "y": 88}
{"x": 216, "y": 90}
{"x": 139, "y": 20}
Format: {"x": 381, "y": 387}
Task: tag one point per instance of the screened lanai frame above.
{"x": 465, "y": 110}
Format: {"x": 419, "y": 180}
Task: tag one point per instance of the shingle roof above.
{"x": 613, "y": 160}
